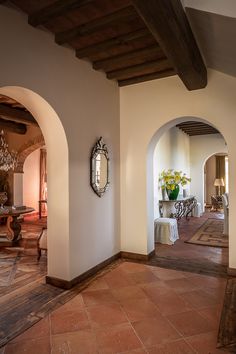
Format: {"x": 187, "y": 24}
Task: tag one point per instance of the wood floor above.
{"x": 18, "y": 265}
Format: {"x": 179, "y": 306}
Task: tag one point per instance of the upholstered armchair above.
{"x": 216, "y": 202}
{"x": 42, "y": 242}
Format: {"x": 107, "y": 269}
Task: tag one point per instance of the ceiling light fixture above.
{"x": 8, "y": 160}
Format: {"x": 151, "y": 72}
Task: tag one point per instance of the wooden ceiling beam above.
{"x": 12, "y": 127}
{"x": 192, "y": 124}
{"x": 201, "y": 133}
{"x": 147, "y": 77}
{"x": 17, "y": 115}
{"x": 58, "y": 8}
{"x": 109, "y": 63}
{"x": 126, "y": 13}
{"x": 169, "y": 25}
{"x": 156, "y": 65}
{"x": 188, "y": 131}
{"x": 111, "y": 43}
{"x": 196, "y": 128}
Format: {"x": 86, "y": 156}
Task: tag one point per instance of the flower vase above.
{"x": 173, "y": 194}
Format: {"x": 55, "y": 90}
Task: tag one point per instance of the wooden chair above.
{"x": 42, "y": 242}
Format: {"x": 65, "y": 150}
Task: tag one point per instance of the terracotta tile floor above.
{"x": 134, "y": 308}
{"x": 187, "y": 228}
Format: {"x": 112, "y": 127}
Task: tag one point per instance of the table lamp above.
{"x": 219, "y": 182}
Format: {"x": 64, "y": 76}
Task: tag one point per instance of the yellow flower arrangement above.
{"x": 170, "y": 179}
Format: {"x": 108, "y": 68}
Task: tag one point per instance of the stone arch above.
{"x": 26, "y": 149}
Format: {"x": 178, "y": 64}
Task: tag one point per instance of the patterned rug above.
{"x": 210, "y": 234}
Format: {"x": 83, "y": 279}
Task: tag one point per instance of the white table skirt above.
{"x": 166, "y": 230}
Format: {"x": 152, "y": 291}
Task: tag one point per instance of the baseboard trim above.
{"x": 137, "y": 256}
{"x": 231, "y": 271}
{"x": 68, "y": 284}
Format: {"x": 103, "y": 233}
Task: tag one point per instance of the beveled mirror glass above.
{"x": 99, "y": 177}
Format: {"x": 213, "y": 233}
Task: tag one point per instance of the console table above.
{"x": 177, "y": 208}
{"x": 13, "y": 225}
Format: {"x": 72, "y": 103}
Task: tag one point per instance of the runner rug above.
{"x": 210, "y": 234}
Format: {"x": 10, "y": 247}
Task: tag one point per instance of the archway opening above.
{"x": 183, "y": 144}
{"x": 57, "y": 176}
{"x": 216, "y": 171}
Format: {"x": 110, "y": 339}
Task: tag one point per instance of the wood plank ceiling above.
{"x": 131, "y": 41}
{"x": 197, "y": 128}
{"x": 14, "y": 117}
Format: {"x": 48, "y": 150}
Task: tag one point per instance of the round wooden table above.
{"x": 13, "y": 224}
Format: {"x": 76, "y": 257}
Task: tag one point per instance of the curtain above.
{"x": 220, "y": 171}
{"x": 43, "y": 179}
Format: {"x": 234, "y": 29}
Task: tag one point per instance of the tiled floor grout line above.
{"x": 143, "y": 346}
{"x": 120, "y": 305}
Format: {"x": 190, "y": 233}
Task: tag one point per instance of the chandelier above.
{"x": 8, "y": 160}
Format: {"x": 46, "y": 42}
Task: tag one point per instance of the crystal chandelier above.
{"x": 8, "y": 160}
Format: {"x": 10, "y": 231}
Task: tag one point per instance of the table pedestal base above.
{"x": 13, "y": 228}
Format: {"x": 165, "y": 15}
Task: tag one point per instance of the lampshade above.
{"x": 219, "y": 182}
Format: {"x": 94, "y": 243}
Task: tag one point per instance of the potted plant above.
{"x": 170, "y": 181}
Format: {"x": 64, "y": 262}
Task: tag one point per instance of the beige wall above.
{"x": 202, "y": 147}
{"x": 210, "y": 175}
{"x": 74, "y": 106}
{"x": 147, "y": 111}
{"x": 31, "y": 178}
{"x": 225, "y": 7}
{"x": 172, "y": 151}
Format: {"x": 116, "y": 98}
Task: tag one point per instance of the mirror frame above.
{"x": 99, "y": 148}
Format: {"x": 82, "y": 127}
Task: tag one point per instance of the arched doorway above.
{"x": 201, "y": 147}
{"x": 214, "y": 162}
{"x": 58, "y": 177}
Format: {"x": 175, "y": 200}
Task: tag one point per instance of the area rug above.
{"x": 210, "y": 234}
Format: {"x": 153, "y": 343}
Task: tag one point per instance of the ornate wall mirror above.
{"x": 99, "y": 177}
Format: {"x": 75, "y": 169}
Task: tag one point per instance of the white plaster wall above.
{"x": 31, "y": 180}
{"x": 210, "y": 169}
{"x": 172, "y": 152}
{"x": 85, "y": 231}
{"x": 202, "y": 147}
{"x": 148, "y": 110}
{"x": 222, "y": 7}
{"x": 18, "y": 189}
